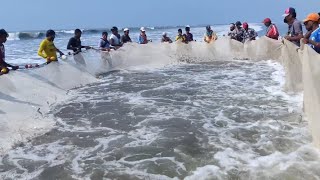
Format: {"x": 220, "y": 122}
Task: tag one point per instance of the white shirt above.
{"x": 116, "y": 40}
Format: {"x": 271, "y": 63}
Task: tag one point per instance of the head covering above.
{"x": 125, "y": 29}
{"x": 245, "y": 25}
{"x": 164, "y": 34}
{"x": 266, "y": 20}
{"x": 142, "y": 29}
{"x": 289, "y": 11}
{"x": 238, "y": 23}
{"x": 187, "y": 26}
{"x": 312, "y": 17}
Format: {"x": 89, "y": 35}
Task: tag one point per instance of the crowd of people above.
{"x": 238, "y": 31}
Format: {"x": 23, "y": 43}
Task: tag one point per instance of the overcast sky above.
{"x": 68, "y": 14}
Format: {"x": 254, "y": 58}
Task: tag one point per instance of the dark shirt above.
{"x": 74, "y": 44}
{"x": 125, "y": 39}
{"x": 295, "y": 30}
{"x": 166, "y": 39}
{"x": 2, "y": 55}
{"x": 249, "y": 35}
{"x": 239, "y": 34}
{"x": 189, "y": 37}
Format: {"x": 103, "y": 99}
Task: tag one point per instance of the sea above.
{"x": 196, "y": 120}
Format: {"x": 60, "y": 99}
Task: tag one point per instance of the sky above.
{"x": 18, "y": 15}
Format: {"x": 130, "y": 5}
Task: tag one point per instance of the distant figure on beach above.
{"x": 232, "y": 31}
{"x": 125, "y": 37}
{"x": 239, "y": 32}
{"x": 143, "y": 39}
{"x": 180, "y": 37}
{"x": 272, "y": 30}
{"x": 249, "y": 34}
{"x": 47, "y": 49}
{"x": 188, "y": 35}
{"x": 312, "y": 25}
{"x": 3, "y": 65}
{"x": 165, "y": 38}
{"x": 295, "y": 32}
{"x": 209, "y": 36}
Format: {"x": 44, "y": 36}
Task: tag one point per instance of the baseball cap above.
{"x": 126, "y": 29}
{"x": 238, "y": 23}
{"x": 288, "y": 11}
{"x": 142, "y": 29}
{"x": 267, "y": 20}
{"x": 312, "y": 17}
{"x": 245, "y": 24}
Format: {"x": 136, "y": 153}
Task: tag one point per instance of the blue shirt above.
{"x": 104, "y": 43}
{"x": 142, "y": 40}
{"x": 315, "y": 36}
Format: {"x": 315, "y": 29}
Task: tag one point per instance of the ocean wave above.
{"x": 26, "y": 35}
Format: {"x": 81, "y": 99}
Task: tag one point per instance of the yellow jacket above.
{"x": 48, "y": 49}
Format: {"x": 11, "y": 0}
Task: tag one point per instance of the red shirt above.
{"x": 272, "y": 32}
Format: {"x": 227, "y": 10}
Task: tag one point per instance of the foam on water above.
{"x": 172, "y": 112}
{"x": 182, "y": 121}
